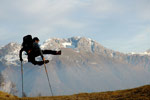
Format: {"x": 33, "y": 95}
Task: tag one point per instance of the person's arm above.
{"x": 20, "y": 54}
{"x": 41, "y": 53}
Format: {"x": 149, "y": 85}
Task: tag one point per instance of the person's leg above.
{"x": 51, "y": 52}
{"x": 39, "y": 62}
{"x": 31, "y": 59}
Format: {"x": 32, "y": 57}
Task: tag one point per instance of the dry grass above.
{"x": 140, "y": 93}
{"x": 6, "y": 96}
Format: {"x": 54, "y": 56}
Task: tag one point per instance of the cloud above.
{"x": 142, "y": 9}
{"x": 103, "y": 6}
{"x": 46, "y": 9}
{"x": 142, "y": 37}
{"x": 38, "y": 16}
{"x": 38, "y": 9}
{"x": 2, "y": 34}
{"x": 138, "y": 43}
{"x": 99, "y": 19}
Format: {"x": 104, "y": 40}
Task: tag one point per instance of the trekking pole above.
{"x": 48, "y": 79}
{"x": 22, "y": 77}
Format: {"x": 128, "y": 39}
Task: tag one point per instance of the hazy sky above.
{"x": 122, "y": 25}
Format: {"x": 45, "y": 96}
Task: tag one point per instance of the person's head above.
{"x": 36, "y": 39}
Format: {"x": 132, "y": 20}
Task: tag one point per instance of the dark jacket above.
{"x": 34, "y": 52}
{"x": 37, "y": 50}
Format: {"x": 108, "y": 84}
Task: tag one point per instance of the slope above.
{"x": 5, "y": 96}
{"x": 140, "y": 93}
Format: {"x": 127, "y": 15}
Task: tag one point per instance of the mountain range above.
{"x": 84, "y": 66}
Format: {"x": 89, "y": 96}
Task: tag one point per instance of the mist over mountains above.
{"x": 84, "y": 66}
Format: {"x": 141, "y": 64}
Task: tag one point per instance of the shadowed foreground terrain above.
{"x": 140, "y": 93}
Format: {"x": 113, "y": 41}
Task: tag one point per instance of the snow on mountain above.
{"x": 76, "y": 43}
{"x": 141, "y": 54}
{"x": 84, "y": 66}
{"x": 9, "y": 54}
{"x": 148, "y": 51}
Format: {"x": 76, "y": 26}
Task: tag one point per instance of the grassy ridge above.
{"x": 6, "y": 96}
{"x": 140, "y": 93}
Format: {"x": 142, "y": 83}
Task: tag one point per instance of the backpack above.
{"x": 27, "y": 43}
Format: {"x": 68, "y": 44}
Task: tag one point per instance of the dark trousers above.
{"x": 33, "y": 54}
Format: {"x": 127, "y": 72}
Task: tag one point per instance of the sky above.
{"x": 121, "y": 25}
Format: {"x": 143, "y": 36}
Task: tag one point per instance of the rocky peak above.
{"x": 80, "y": 43}
{"x": 10, "y": 48}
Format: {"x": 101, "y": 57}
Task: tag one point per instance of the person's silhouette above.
{"x": 36, "y": 51}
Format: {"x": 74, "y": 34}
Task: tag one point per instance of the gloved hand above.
{"x": 43, "y": 59}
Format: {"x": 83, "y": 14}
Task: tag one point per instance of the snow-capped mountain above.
{"x": 84, "y": 66}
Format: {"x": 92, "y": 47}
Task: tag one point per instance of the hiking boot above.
{"x": 58, "y": 52}
{"x": 46, "y": 61}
